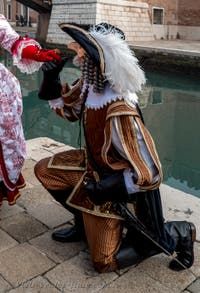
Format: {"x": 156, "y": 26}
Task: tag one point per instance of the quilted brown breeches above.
{"x": 104, "y": 239}
{"x": 103, "y": 234}
{"x": 56, "y": 179}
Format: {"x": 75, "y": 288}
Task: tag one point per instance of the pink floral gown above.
{"x": 12, "y": 142}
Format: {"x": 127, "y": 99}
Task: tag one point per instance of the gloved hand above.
{"x": 51, "y": 69}
{"x": 41, "y": 55}
{"x": 111, "y": 188}
{"x": 50, "y": 88}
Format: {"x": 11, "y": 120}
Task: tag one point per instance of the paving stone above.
{"x": 57, "y": 251}
{"x": 34, "y": 196}
{"x": 22, "y": 227}
{"x": 4, "y": 286}
{"x": 181, "y": 206}
{"x": 194, "y": 287}
{"x": 6, "y": 241}
{"x": 22, "y": 263}
{"x": 78, "y": 275}
{"x": 61, "y": 149}
{"x": 137, "y": 281}
{"x": 196, "y": 267}
{"x": 40, "y": 148}
{"x": 38, "y": 155}
{"x": 43, "y": 143}
{"x": 8, "y": 211}
{"x": 51, "y": 214}
{"x": 40, "y": 204}
{"x": 28, "y": 173}
{"x": 36, "y": 285}
{"x": 157, "y": 268}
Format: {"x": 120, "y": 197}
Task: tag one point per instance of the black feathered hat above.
{"x": 81, "y": 34}
{"x": 106, "y": 46}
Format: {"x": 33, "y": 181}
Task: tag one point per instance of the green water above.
{"x": 170, "y": 104}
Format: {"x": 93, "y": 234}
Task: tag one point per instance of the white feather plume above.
{"x": 121, "y": 66}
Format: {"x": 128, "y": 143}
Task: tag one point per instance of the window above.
{"x": 158, "y": 14}
{"x": 9, "y": 11}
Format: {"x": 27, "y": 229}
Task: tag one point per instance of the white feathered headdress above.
{"x": 106, "y": 46}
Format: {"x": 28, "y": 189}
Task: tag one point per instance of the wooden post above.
{"x": 42, "y": 28}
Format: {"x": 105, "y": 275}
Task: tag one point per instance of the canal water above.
{"x": 171, "y": 107}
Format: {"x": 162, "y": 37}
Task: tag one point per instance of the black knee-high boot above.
{"x": 128, "y": 255}
{"x": 178, "y": 236}
{"x": 184, "y": 234}
{"x": 75, "y": 233}
{"x": 136, "y": 247}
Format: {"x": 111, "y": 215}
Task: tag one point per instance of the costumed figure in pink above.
{"x": 28, "y": 57}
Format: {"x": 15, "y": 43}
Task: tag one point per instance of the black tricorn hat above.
{"x": 83, "y": 37}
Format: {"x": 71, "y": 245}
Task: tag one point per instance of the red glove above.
{"x": 41, "y": 55}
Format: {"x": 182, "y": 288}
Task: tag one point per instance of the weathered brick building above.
{"x": 189, "y": 12}
{"x": 175, "y": 18}
{"x": 13, "y": 10}
{"x": 131, "y": 17}
{"x": 189, "y": 19}
{"x": 142, "y": 20}
{"x": 2, "y": 7}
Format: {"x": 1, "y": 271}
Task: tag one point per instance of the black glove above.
{"x": 111, "y": 188}
{"x": 50, "y": 88}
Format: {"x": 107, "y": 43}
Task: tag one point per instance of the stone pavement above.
{"x": 30, "y": 261}
{"x": 183, "y": 48}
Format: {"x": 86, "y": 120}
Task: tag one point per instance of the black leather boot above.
{"x": 185, "y": 235}
{"x": 72, "y": 234}
{"x": 127, "y": 255}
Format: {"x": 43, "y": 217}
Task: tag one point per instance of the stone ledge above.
{"x": 136, "y": 4}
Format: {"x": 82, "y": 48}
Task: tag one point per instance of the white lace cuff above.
{"x": 56, "y": 103}
{"x": 26, "y": 65}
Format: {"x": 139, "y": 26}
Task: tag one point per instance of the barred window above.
{"x": 158, "y": 14}
{"x": 9, "y": 11}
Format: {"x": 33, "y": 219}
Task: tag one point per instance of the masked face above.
{"x": 78, "y": 59}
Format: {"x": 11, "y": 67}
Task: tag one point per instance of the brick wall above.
{"x": 181, "y": 18}
{"x": 132, "y": 18}
{"x": 16, "y": 8}
{"x": 2, "y": 7}
{"x": 182, "y": 12}
{"x": 170, "y": 9}
{"x": 83, "y": 12}
{"x": 189, "y": 12}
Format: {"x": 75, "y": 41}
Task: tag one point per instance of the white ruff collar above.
{"x": 97, "y": 101}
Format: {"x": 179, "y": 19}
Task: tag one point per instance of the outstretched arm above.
{"x": 26, "y": 52}
{"x": 64, "y": 99}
